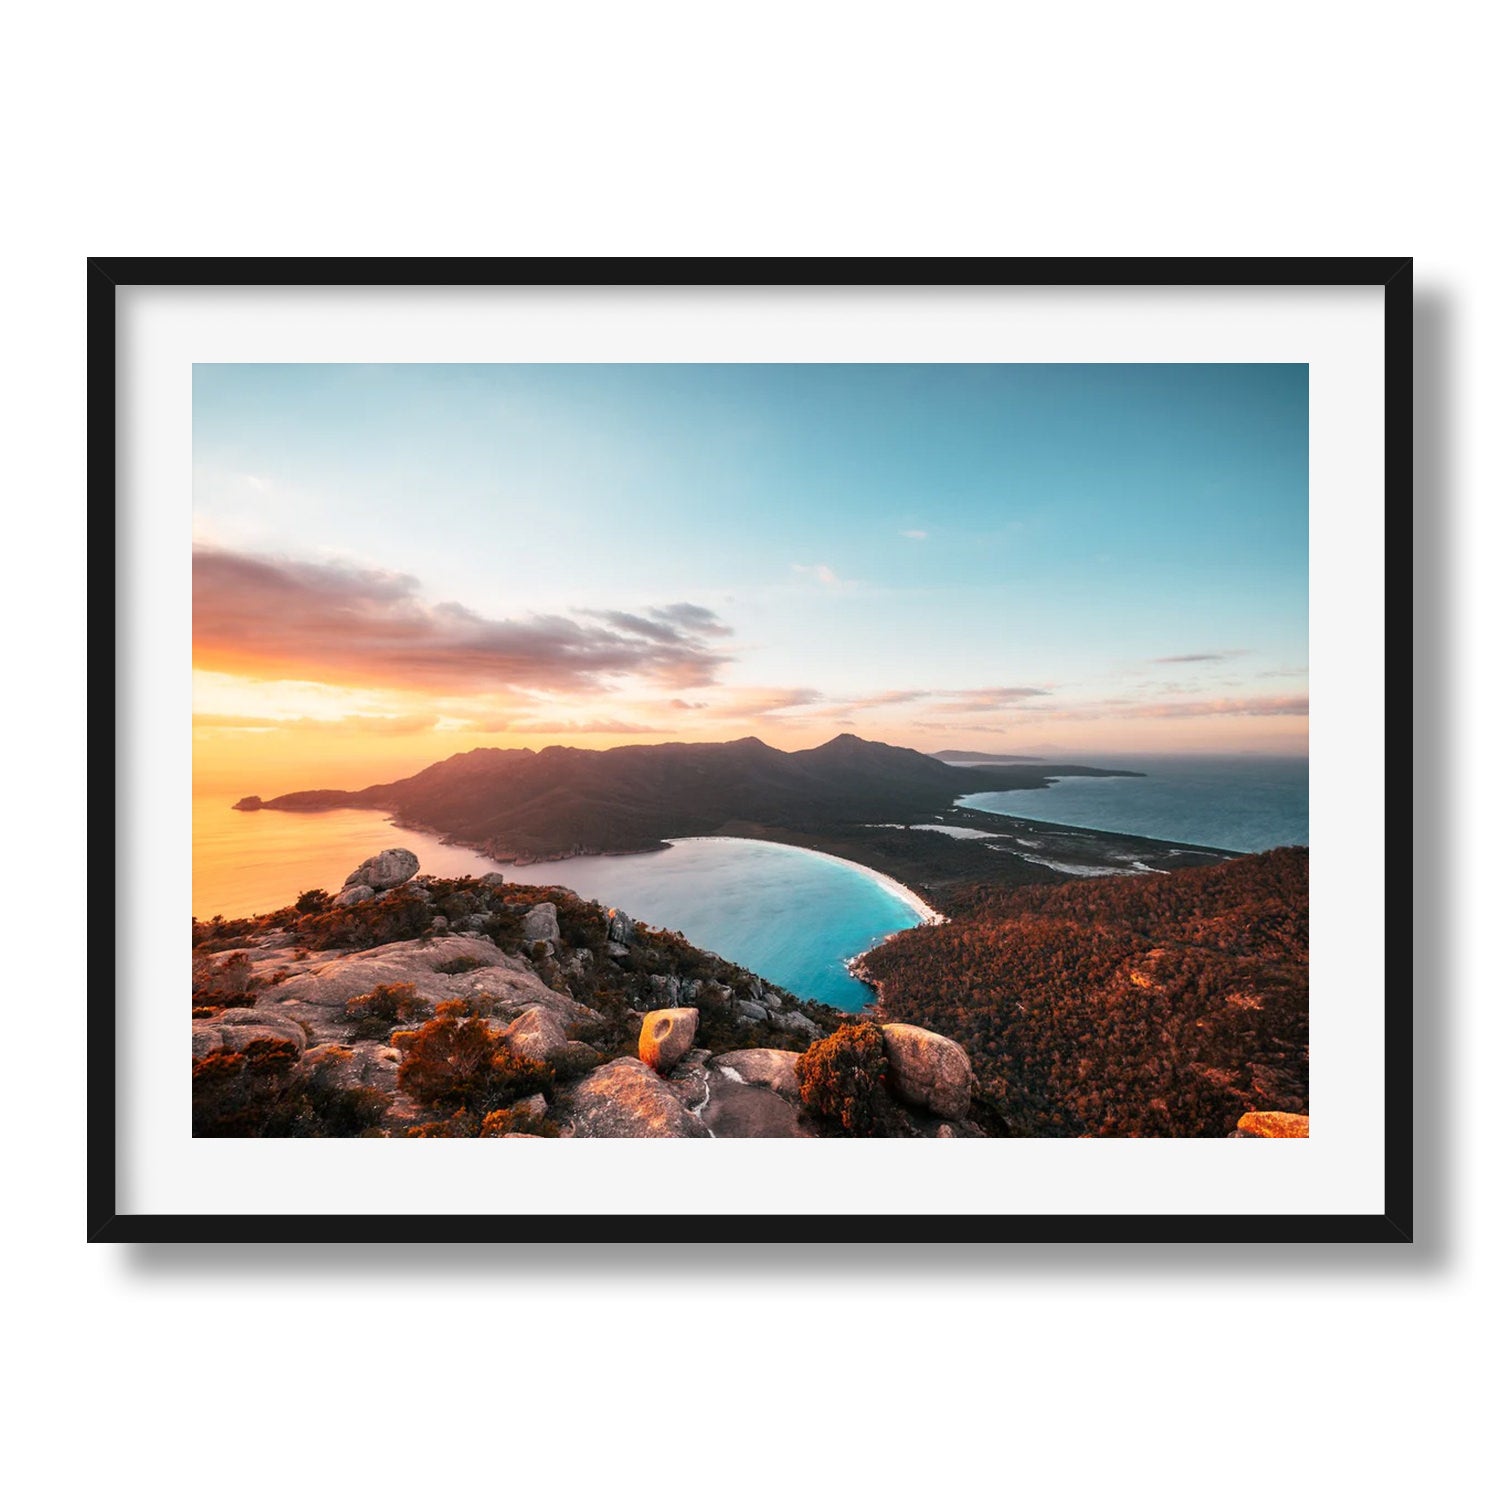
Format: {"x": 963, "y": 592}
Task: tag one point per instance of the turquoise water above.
{"x": 1241, "y": 802}
{"x": 788, "y": 914}
{"x": 793, "y": 916}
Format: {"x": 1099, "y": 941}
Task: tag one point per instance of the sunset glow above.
{"x": 396, "y": 564}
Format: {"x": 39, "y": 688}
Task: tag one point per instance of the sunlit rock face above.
{"x": 666, "y": 1036}
{"x": 1271, "y": 1124}
{"x": 929, "y": 1070}
{"x": 383, "y": 871}
{"x": 626, "y": 1100}
{"x": 537, "y": 1034}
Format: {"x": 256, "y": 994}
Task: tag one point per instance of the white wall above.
{"x": 653, "y": 129}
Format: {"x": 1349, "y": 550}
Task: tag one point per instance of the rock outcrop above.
{"x": 236, "y": 1029}
{"x": 385, "y": 871}
{"x": 537, "y": 1034}
{"x": 540, "y": 925}
{"x": 794, "y": 1022}
{"x": 274, "y": 995}
{"x": 666, "y": 1036}
{"x": 928, "y": 1070}
{"x": 625, "y": 1099}
{"x": 315, "y": 988}
{"x": 766, "y": 1066}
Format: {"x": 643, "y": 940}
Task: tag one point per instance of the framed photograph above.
{"x": 707, "y": 750}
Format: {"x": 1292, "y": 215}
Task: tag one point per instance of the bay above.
{"x": 792, "y": 915}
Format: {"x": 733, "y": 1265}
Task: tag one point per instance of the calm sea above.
{"x": 788, "y": 914}
{"x": 1242, "y": 802}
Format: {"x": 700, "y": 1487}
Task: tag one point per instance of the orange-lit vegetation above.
{"x": 455, "y": 1069}
{"x": 458, "y": 1061}
{"x": 843, "y": 1080}
{"x": 373, "y": 1016}
{"x": 1157, "y": 1005}
{"x": 262, "y": 1091}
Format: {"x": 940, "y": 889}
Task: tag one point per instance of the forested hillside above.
{"x": 1160, "y": 1005}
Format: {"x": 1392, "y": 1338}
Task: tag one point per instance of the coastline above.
{"x": 928, "y": 916}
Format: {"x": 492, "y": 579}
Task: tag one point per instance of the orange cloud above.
{"x": 268, "y": 617}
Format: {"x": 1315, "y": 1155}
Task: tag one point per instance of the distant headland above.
{"x": 883, "y": 806}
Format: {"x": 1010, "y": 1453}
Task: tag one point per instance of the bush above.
{"x": 457, "y": 1061}
{"x": 843, "y": 1079}
{"x": 517, "y": 1122}
{"x": 384, "y": 1007}
{"x": 226, "y": 982}
{"x": 396, "y": 918}
{"x": 262, "y": 1091}
{"x": 309, "y": 903}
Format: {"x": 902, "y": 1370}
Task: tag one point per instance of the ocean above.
{"x": 792, "y": 915}
{"x": 1242, "y": 802}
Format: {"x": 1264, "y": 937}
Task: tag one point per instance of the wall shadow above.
{"x": 1433, "y": 922}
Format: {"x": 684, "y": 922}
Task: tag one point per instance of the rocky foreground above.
{"x": 412, "y": 1006}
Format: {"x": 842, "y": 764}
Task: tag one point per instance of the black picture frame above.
{"x": 106, "y": 276}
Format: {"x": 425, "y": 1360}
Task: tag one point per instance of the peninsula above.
{"x": 883, "y": 806}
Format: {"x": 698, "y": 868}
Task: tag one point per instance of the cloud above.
{"x": 972, "y": 728}
{"x": 895, "y": 695}
{"x": 1133, "y": 708}
{"x": 1212, "y": 707}
{"x": 345, "y": 724}
{"x": 1166, "y": 661}
{"x": 824, "y": 575}
{"x": 272, "y": 617}
{"x": 985, "y": 700}
{"x": 915, "y": 536}
{"x": 1182, "y": 708}
{"x": 755, "y": 702}
{"x": 892, "y": 698}
{"x": 693, "y": 618}
{"x": 664, "y": 625}
{"x": 589, "y": 726}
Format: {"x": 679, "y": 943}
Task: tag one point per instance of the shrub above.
{"x": 226, "y": 982}
{"x": 517, "y": 1122}
{"x": 843, "y": 1079}
{"x": 396, "y": 918}
{"x": 263, "y": 1092}
{"x": 457, "y": 1061}
{"x": 459, "y": 1126}
{"x": 311, "y": 902}
{"x": 376, "y": 1013}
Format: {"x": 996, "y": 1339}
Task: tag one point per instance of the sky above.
{"x": 394, "y": 563}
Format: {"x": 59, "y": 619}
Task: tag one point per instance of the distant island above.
{"x": 879, "y": 805}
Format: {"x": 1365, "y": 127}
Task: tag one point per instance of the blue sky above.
{"x": 1097, "y": 556}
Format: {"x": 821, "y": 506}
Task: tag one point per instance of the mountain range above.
{"x": 528, "y": 804}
